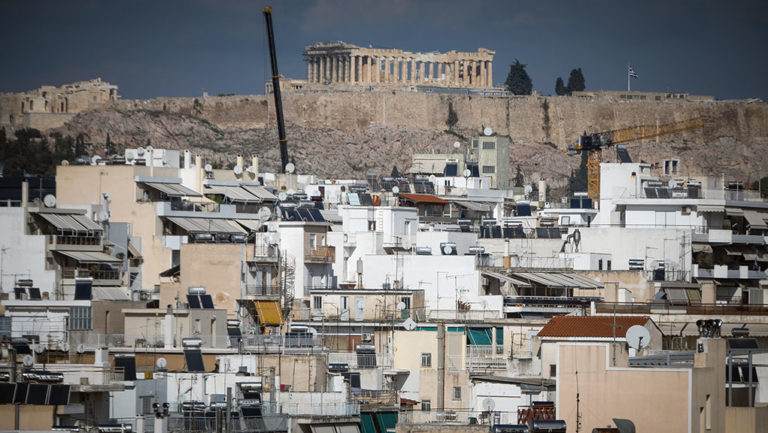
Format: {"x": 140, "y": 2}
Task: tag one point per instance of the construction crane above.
{"x": 594, "y": 144}
{"x": 276, "y": 91}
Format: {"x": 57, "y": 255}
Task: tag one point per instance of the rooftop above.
{"x": 590, "y": 326}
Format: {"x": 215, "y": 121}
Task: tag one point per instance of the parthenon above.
{"x": 343, "y": 63}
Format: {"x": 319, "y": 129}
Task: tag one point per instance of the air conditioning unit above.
{"x": 448, "y": 248}
{"x": 367, "y": 337}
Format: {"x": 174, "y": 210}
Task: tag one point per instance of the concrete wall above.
{"x": 746, "y": 419}
{"x": 31, "y": 417}
{"x": 23, "y": 256}
{"x": 218, "y": 268}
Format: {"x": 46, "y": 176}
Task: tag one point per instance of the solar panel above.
{"x": 34, "y": 293}
{"x": 253, "y": 395}
{"x": 83, "y": 290}
{"x": 650, "y": 193}
{"x": 251, "y": 412}
{"x": 663, "y": 193}
{"x": 36, "y": 394}
{"x": 542, "y": 233}
{"x": 19, "y": 292}
{"x": 623, "y": 155}
{"x": 523, "y": 209}
{"x": 193, "y": 301}
{"x": 554, "y": 232}
{"x": 485, "y": 232}
{"x": 206, "y": 301}
{"x": 317, "y": 215}
{"x": 451, "y": 170}
{"x": 59, "y": 395}
{"x": 496, "y": 232}
{"x": 304, "y": 215}
{"x": 586, "y": 203}
{"x": 7, "y": 392}
{"x": 743, "y": 343}
{"x": 21, "y": 393}
{"x": 194, "y": 360}
{"x": 234, "y": 332}
{"x": 129, "y": 366}
{"x": 365, "y": 199}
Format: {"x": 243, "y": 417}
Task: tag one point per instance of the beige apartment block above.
{"x": 343, "y": 63}
{"x": 686, "y": 399}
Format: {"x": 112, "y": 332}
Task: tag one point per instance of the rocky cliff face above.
{"x": 345, "y": 134}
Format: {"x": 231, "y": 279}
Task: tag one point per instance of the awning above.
{"x": 704, "y": 208}
{"x": 173, "y": 189}
{"x": 734, "y": 211}
{"x": 133, "y": 252}
{"x": 65, "y": 222}
{"x": 88, "y": 223}
{"x": 174, "y": 270}
{"x": 269, "y": 312}
{"x": 699, "y": 248}
{"x": 756, "y": 220}
{"x": 473, "y": 206}
{"x": 234, "y": 194}
{"x": 207, "y": 225}
{"x": 260, "y": 192}
{"x": 250, "y": 225}
{"x": 90, "y": 256}
{"x": 505, "y": 278}
{"x": 479, "y": 337}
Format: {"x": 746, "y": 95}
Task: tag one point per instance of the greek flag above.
{"x": 632, "y": 73}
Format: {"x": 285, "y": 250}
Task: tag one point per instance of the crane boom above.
{"x": 276, "y": 91}
{"x": 595, "y": 143}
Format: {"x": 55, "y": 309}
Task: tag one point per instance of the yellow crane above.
{"x": 594, "y": 144}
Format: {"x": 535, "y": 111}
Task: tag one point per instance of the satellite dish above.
{"x": 28, "y": 361}
{"x": 395, "y": 190}
{"x": 290, "y": 167}
{"x": 238, "y": 170}
{"x": 39, "y": 349}
{"x": 447, "y": 249}
{"x": 80, "y": 348}
{"x": 64, "y": 347}
{"x": 638, "y": 337}
{"x": 251, "y": 169}
{"x": 489, "y": 404}
{"x": 161, "y": 363}
{"x": 264, "y": 214}
{"x": 282, "y": 196}
{"x": 49, "y": 200}
{"x": 208, "y": 168}
{"x": 64, "y": 162}
{"x": 107, "y": 197}
{"x": 140, "y": 151}
{"x": 95, "y": 159}
{"x": 409, "y": 324}
{"x": 400, "y": 306}
{"x": 487, "y": 131}
{"x": 456, "y": 144}
{"x": 432, "y": 178}
{"x": 150, "y": 148}
{"x": 467, "y": 172}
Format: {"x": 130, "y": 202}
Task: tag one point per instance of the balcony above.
{"x": 74, "y": 243}
{"x": 100, "y": 277}
{"x": 664, "y": 308}
{"x": 360, "y": 360}
{"x": 261, "y": 290}
{"x": 321, "y": 254}
{"x": 263, "y": 253}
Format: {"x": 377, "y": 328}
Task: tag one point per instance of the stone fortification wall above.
{"x": 553, "y": 120}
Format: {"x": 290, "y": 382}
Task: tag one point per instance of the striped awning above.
{"x": 90, "y": 256}
{"x": 234, "y": 194}
{"x": 207, "y": 225}
{"x": 173, "y": 189}
{"x": 269, "y": 312}
{"x": 710, "y": 208}
{"x": 260, "y": 192}
{"x": 76, "y": 223}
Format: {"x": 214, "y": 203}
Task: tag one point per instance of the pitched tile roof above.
{"x": 590, "y": 326}
{"x": 424, "y": 198}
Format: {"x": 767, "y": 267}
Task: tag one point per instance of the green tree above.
{"x": 560, "y": 88}
{"x": 109, "y": 147}
{"x": 453, "y": 118}
{"x": 762, "y": 186}
{"x": 518, "y": 81}
{"x": 576, "y": 81}
{"x": 519, "y": 179}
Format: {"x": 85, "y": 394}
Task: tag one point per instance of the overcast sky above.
{"x": 181, "y": 47}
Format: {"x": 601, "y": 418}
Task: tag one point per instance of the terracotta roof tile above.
{"x": 590, "y": 326}
{"x": 424, "y": 198}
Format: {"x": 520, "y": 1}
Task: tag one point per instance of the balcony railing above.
{"x": 69, "y": 273}
{"x": 697, "y": 309}
{"x": 321, "y": 254}
{"x": 55, "y": 240}
{"x": 259, "y": 290}
{"x": 360, "y": 360}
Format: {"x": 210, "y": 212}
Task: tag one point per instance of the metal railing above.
{"x": 360, "y": 360}
{"x": 260, "y": 290}
{"x": 69, "y": 273}
{"x": 73, "y": 240}
{"x": 469, "y": 315}
{"x": 696, "y": 309}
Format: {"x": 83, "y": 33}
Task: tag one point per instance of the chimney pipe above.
{"x": 187, "y": 158}
{"x": 24, "y": 193}
{"x": 255, "y": 164}
{"x": 240, "y": 161}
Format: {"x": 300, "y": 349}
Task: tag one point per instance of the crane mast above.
{"x": 276, "y": 91}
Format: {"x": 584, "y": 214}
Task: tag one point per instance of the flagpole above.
{"x": 628, "y": 87}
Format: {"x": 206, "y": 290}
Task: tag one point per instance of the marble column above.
{"x": 412, "y": 72}
{"x": 403, "y": 69}
{"x": 353, "y": 69}
{"x": 309, "y": 69}
{"x": 376, "y": 68}
{"x": 482, "y": 73}
{"x": 490, "y": 73}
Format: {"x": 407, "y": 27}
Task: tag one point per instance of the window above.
{"x": 146, "y": 405}
{"x": 489, "y": 145}
{"x": 565, "y": 220}
{"x": 318, "y": 302}
{"x": 407, "y": 301}
{"x": 426, "y": 360}
{"x": 426, "y": 405}
{"x": 608, "y": 265}
{"x": 80, "y": 319}
{"x": 196, "y": 327}
{"x": 344, "y": 303}
{"x": 489, "y": 169}
{"x": 474, "y": 144}
{"x": 457, "y": 393}
{"x": 371, "y": 226}
{"x": 313, "y": 241}
{"x": 600, "y": 265}
{"x": 552, "y": 370}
